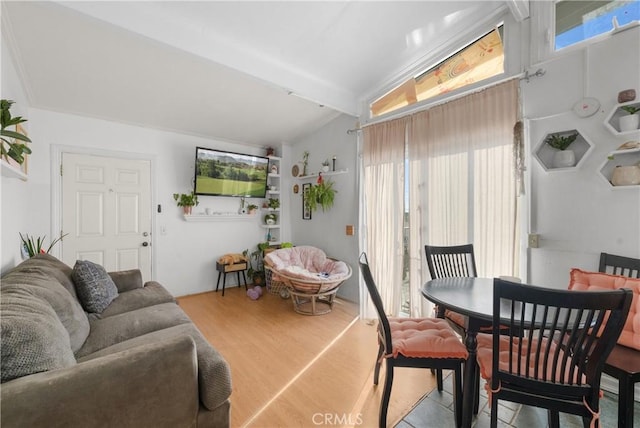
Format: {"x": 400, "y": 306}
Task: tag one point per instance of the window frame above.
{"x": 543, "y": 34}
{"x": 512, "y": 60}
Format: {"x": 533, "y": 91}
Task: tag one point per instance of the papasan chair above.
{"x": 311, "y": 277}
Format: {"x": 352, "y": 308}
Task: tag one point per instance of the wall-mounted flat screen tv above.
{"x": 220, "y": 173}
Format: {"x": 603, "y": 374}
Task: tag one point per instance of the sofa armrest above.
{"x": 127, "y": 280}
{"x": 150, "y": 385}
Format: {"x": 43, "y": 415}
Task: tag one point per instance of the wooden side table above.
{"x": 225, "y": 269}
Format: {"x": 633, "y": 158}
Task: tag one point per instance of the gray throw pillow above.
{"x": 95, "y": 288}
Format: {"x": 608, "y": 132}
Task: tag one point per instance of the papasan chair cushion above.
{"x": 307, "y": 268}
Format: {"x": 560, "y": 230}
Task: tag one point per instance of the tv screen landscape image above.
{"x": 220, "y": 173}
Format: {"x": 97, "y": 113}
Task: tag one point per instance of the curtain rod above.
{"x": 522, "y": 76}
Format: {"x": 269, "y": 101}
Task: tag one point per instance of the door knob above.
{"x": 145, "y": 233}
{"x": 145, "y": 244}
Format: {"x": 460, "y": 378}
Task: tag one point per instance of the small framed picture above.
{"x": 306, "y": 212}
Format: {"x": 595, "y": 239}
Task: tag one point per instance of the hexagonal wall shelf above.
{"x": 612, "y": 121}
{"x": 619, "y": 158}
{"x": 544, "y": 153}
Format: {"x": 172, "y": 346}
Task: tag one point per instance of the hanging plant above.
{"x": 322, "y": 194}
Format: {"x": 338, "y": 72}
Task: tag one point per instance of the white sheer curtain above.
{"x": 383, "y": 184}
{"x": 462, "y": 181}
{"x": 462, "y": 189}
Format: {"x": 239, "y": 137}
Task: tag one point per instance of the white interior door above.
{"x": 106, "y": 211}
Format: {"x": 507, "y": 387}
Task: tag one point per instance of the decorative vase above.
{"x": 629, "y": 122}
{"x": 564, "y": 159}
{"x": 187, "y": 209}
{"x": 325, "y": 168}
{"x": 626, "y": 175}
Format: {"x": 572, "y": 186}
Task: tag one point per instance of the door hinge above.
{"x": 61, "y": 170}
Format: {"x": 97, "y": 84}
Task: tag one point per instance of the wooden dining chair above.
{"x": 549, "y": 359}
{"x": 623, "y": 363}
{"x": 619, "y": 265}
{"x": 447, "y": 262}
{"x": 413, "y": 342}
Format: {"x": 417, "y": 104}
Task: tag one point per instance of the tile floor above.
{"x": 435, "y": 410}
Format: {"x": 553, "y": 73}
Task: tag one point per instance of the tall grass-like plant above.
{"x": 35, "y": 245}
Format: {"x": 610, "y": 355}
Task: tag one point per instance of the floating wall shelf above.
{"x": 219, "y": 217}
{"x": 544, "y": 153}
{"x": 324, "y": 174}
{"x": 11, "y": 171}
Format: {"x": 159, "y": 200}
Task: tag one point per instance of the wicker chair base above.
{"x": 312, "y": 304}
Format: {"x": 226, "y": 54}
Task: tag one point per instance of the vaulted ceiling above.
{"x": 252, "y": 72}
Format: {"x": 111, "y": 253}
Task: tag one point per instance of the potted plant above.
{"x": 274, "y": 203}
{"x": 186, "y": 201}
{"x": 322, "y": 194}
{"x": 256, "y": 266}
{"x": 563, "y": 157}
{"x": 13, "y": 148}
{"x": 325, "y": 165}
{"x": 34, "y": 246}
{"x": 251, "y": 209}
{"x": 631, "y": 121}
{"x": 270, "y": 219}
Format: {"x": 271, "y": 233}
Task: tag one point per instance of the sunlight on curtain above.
{"x": 383, "y": 161}
{"x": 462, "y": 181}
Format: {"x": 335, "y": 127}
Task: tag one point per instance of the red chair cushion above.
{"x": 425, "y": 338}
{"x": 598, "y": 281}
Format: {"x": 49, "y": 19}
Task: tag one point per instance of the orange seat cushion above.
{"x": 485, "y": 355}
{"x": 425, "y": 338}
{"x": 461, "y": 320}
{"x": 598, "y": 281}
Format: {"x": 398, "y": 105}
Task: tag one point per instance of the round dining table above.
{"x": 472, "y": 297}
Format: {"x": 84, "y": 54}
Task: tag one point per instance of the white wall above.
{"x": 185, "y": 255}
{"x": 16, "y": 210}
{"x": 576, "y": 213}
{"x": 326, "y": 230}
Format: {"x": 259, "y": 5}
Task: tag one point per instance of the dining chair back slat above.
{"x": 451, "y": 261}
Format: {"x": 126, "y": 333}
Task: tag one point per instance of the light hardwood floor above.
{"x": 292, "y": 370}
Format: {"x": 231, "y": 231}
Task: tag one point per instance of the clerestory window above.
{"x": 481, "y": 59}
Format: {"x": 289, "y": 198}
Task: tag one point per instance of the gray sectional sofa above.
{"x": 140, "y": 362}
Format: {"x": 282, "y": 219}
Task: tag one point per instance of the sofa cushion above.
{"x": 95, "y": 288}
{"x": 214, "y": 376}
{"x": 597, "y": 281}
{"x": 41, "y": 279}
{"x": 33, "y": 338}
{"x": 151, "y": 294}
{"x": 111, "y": 330}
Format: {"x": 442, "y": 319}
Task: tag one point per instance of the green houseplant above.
{"x": 256, "y": 266}
{"x": 274, "y": 203}
{"x": 186, "y": 200}
{"x": 34, "y": 246}
{"x": 631, "y": 121}
{"x": 559, "y": 141}
{"x": 322, "y": 194}
{"x": 563, "y": 158}
{"x": 13, "y": 148}
{"x": 251, "y": 208}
